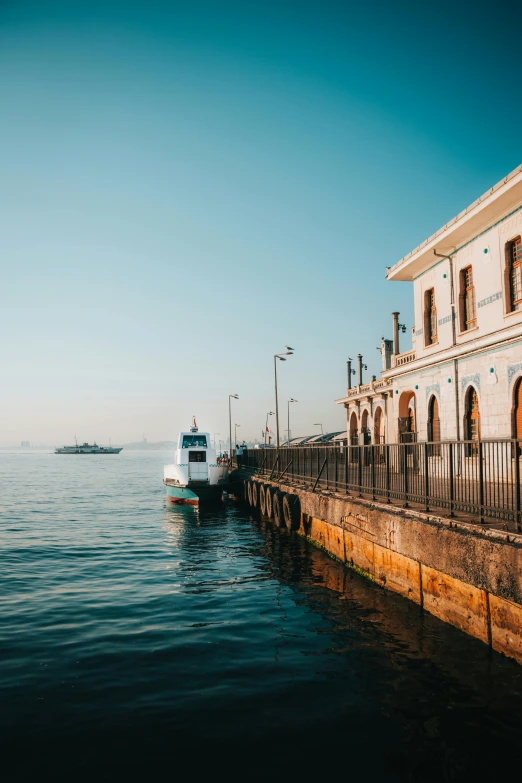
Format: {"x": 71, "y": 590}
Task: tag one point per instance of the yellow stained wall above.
{"x": 489, "y": 618}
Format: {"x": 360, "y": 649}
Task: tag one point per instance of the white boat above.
{"x": 197, "y": 473}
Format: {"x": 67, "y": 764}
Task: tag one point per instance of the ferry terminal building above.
{"x": 462, "y": 380}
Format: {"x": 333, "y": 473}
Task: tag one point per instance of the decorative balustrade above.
{"x": 405, "y": 358}
{"x": 368, "y": 388}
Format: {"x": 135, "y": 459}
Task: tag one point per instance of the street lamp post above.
{"x": 235, "y": 432}
{"x": 321, "y": 426}
{"x": 288, "y": 419}
{"x": 231, "y": 397}
{"x": 270, "y": 413}
{"x": 289, "y": 351}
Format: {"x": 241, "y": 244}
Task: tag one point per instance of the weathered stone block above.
{"x": 359, "y": 552}
{"x": 398, "y": 573}
{"x": 506, "y": 627}
{"x": 455, "y": 602}
{"x": 335, "y": 541}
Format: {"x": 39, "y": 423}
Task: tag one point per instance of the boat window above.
{"x": 197, "y": 456}
{"x": 189, "y": 441}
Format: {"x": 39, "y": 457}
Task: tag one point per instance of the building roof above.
{"x": 324, "y": 438}
{"x": 299, "y": 441}
{"x": 496, "y": 204}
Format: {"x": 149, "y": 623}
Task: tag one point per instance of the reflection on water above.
{"x": 137, "y": 636}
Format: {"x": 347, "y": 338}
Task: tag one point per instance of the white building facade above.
{"x": 462, "y": 380}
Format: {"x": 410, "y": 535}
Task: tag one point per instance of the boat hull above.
{"x": 193, "y": 495}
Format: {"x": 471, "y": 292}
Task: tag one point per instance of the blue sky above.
{"x": 185, "y": 188}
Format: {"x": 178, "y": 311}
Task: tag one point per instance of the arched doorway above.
{"x": 354, "y": 437}
{"x": 378, "y": 426}
{"x": 433, "y": 420}
{"x": 365, "y": 430}
{"x": 517, "y": 411}
{"x": 407, "y": 433}
{"x": 472, "y": 419}
{"x": 434, "y": 425}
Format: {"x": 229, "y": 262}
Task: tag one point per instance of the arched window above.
{"x": 467, "y": 305}
{"x": 378, "y": 426}
{"x": 430, "y": 317}
{"x": 472, "y": 419}
{"x": 513, "y": 275}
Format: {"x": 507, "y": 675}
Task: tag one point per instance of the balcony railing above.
{"x": 382, "y": 384}
{"x": 480, "y": 479}
{"x": 405, "y": 358}
{"x": 368, "y": 388}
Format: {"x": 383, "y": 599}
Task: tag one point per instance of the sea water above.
{"x": 143, "y": 640}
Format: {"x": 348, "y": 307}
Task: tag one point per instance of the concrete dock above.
{"x": 467, "y": 575}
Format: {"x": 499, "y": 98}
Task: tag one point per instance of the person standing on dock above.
{"x": 239, "y": 455}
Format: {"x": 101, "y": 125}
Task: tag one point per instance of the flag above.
{"x": 268, "y": 430}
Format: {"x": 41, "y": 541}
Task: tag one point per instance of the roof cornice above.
{"x": 497, "y": 203}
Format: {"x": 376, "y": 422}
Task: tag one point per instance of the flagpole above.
{"x": 267, "y": 432}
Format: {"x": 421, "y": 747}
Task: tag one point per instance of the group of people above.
{"x": 240, "y": 452}
{"x": 241, "y": 449}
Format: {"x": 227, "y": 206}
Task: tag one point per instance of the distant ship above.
{"x": 86, "y": 448}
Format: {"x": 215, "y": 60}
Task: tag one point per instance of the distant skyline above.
{"x": 187, "y": 188}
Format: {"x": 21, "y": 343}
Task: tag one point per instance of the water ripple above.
{"x": 134, "y": 636}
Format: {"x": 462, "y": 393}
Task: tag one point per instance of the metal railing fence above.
{"x": 476, "y": 478}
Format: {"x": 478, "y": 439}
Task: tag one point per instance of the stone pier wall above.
{"x": 466, "y": 575}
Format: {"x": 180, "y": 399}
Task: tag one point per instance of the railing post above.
{"x": 335, "y": 452}
{"x": 404, "y": 446}
{"x": 318, "y": 475}
{"x": 426, "y": 477}
{"x": 360, "y": 455}
{"x": 327, "y": 468}
{"x": 451, "y": 481}
{"x": 387, "y": 452}
{"x": 346, "y": 458}
{"x": 517, "y": 486}
{"x": 481, "y": 482}
{"x": 372, "y": 452}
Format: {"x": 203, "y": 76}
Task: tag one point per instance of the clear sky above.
{"x": 187, "y": 187}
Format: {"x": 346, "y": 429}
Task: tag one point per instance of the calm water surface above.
{"x": 135, "y": 639}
